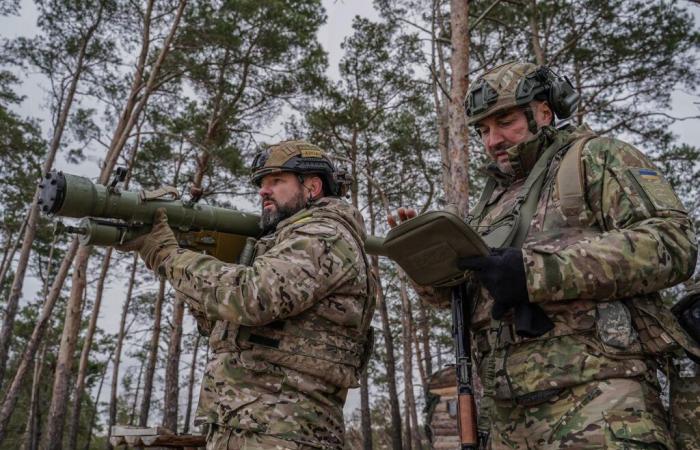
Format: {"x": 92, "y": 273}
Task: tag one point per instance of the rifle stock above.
{"x": 466, "y": 406}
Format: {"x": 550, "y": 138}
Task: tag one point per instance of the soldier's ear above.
{"x": 543, "y": 113}
{"x": 314, "y": 184}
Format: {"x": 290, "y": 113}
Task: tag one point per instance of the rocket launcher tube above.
{"x": 111, "y": 216}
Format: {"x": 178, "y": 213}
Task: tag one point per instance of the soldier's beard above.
{"x": 502, "y": 160}
{"x": 271, "y": 217}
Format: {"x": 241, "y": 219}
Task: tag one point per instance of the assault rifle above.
{"x": 469, "y": 438}
{"x": 111, "y": 216}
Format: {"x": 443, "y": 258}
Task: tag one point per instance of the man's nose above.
{"x": 492, "y": 139}
{"x": 264, "y": 191}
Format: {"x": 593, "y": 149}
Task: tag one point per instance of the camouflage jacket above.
{"x": 598, "y": 282}
{"x": 289, "y": 333}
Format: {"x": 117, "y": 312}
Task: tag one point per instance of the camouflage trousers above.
{"x": 685, "y": 406}
{"x": 610, "y": 414}
{"x": 223, "y": 438}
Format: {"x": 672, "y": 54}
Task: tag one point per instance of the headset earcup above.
{"x": 562, "y": 97}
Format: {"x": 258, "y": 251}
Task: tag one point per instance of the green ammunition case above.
{"x": 427, "y": 247}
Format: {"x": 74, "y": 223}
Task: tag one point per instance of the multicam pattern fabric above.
{"x": 610, "y": 414}
{"x": 229, "y": 439}
{"x": 504, "y": 81}
{"x": 644, "y": 240}
{"x": 685, "y": 404}
{"x": 635, "y": 240}
{"x": 289, "y": 333}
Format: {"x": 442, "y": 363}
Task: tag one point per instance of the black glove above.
{"x": 503, "y": 273}
{"x": 687, "y": 312}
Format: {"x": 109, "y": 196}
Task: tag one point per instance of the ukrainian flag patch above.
{"x": 649, "y": 175}
{"x": 654, "y": 188}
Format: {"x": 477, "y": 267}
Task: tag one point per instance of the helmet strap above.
{"x": 530, "y": 116}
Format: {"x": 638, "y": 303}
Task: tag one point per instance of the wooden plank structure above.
{"x": 443, "y": 420}
{"x": 154, "y": 437}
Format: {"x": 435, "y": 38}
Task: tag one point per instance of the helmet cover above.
{"x": 298, "y": 157}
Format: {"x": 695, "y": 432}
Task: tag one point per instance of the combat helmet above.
{"x": 517, "y": 84}
{"x": 302, "y": 158}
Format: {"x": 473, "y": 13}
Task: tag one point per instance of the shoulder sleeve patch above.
{"x": 659, "y": 192}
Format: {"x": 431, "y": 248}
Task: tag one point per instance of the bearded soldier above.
{"x": 290, "y": 331}
{"x": 601, "y": 234}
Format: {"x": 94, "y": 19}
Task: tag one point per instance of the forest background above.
{"x": 183, "y": 92}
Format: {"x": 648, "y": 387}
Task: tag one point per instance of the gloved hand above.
{"x": 503, "y": 273}
{"x": 155, "y": 246}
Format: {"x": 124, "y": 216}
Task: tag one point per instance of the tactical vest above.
{"x": 651, "y": 329}
{"x": 318, "y": 342}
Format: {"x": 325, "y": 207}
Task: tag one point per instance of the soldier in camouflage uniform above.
{"x": 289, "y": 332}
{"x": 594, "y": 264}
{"x": 685, "y": 375}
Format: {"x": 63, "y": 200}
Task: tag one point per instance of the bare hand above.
{"x": 403, "y": 214}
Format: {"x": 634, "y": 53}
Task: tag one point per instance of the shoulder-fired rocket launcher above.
{"x": 110, "y": 216}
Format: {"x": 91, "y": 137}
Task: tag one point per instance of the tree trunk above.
{"x": 152, "y": 356}
{"x": 12, "y": 394}
{"x": 440, "y": 98}
{"x": 190, "y": 385}
{"x": 172, "y": 380}
{"x": 45, "y": 289}
{"x": 118, "y": 352}
{"x": 422, "y": 372}
{"x": 132, "y": 415}
{"x": 133, "y": 110}
{"x": 9, "y": 240}
{"x": 85, "y": 354}
{"x": 458, "y": 131}
{"x": 72, "y": 324}
{"x": 578, "y": 82}
{"x": 535, "y": 35}
{"x": 407, "y": 423}
{"x": 33, "y": 215}
{"x": 389, "y": 362}
{"x": 407, "y": 325}
{"x": 31, "y": 433}
{"x": 93, "y": 416}
{"x": 53, "y": 438}
{"x": 424, "y": 324}
{"x": 9, "y": 253}
{"x": 213, "y": 125}
{"x": 17, "y": 284}
{"x": 390, "y": 358}
{"x": 366, "y": 420}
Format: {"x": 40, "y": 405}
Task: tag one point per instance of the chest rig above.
{"x": 511, "y": 228}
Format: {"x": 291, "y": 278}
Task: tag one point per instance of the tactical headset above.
{"x": 544, "y": 84}
{"x": 533, "y": 83}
